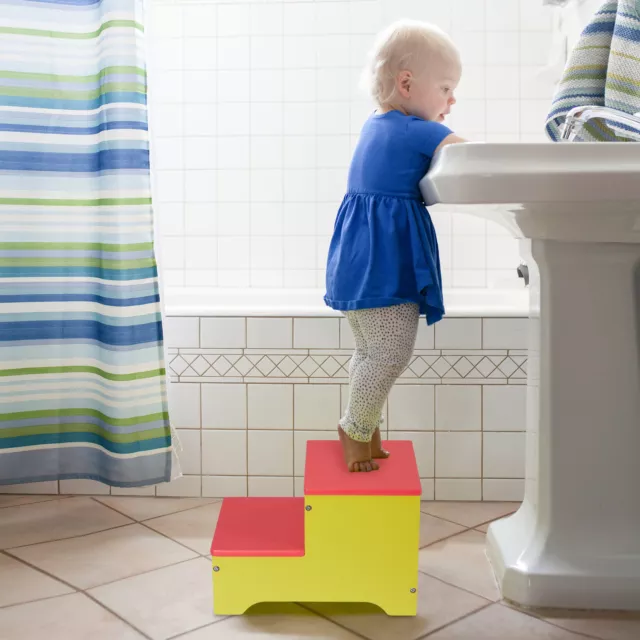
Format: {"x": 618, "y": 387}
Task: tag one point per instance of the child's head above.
{"x": 415, "y": 67}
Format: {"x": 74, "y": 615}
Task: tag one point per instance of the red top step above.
{"x": 260, "y": 527}
{"x": 326, "y": 472}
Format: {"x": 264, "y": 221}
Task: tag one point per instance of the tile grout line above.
{"x": 449, "y": 624}
{"x": 182, "y": 634}
{"x": 453, "y": 535}
{"x": 197, "y": 506}
{"x": 469, "y": 528}
{"x": 142, "y": 573}
{"x": 455, "y": 586}
{"x": 306, "y": 607}
{"x": 531, "y": 614}
{"x": 81, "y": 535}
{"x": 76, "y": 591}
{"x": 117, "y": 615}
{"x": 54, "y": 496}
{"x": 172, "y": 540}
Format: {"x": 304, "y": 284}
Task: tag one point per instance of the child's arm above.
{"x": 429, "y": 137}
{"x": 452, "y": 138}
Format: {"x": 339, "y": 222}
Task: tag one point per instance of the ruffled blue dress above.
{"x": 384, "y": 249}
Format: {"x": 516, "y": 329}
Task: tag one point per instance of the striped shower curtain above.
{"x": 82, "y": 378}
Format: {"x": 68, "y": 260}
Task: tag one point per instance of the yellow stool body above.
{"x": 359, "y": 547}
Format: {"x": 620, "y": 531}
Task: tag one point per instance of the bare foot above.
{"x": 357, "y": 455}
{"x": 376, "y": 446}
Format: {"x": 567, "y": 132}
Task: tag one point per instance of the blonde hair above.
{"x": 404, "y": 45}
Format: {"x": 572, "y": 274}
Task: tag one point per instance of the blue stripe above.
{"x": 74, "y": 162}
{"x": 598, "y": 27}
{"x": 77, "y": 131}
{"x": 111, "y": 302}
{"x": 78, "y": 3}
{"x": 78, "y": 272}
{"x": 73, "y": 329}
{"x": 627, "y": 33}
{"x": 72, "y": 105}
{"x": 89, "y": 438}
{"x": 38, "y": 465}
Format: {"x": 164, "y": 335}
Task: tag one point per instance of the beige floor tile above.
{"x": 7, "y": 500}
{"x": 276, "y": 622}
{"x": 469, "y": 514}
{"x": 483, "y": 527}
{"x": 72, "y": 617}
{"x": 54, "y": 520}
{"x": 606, "y": 625}
{"x": 48, "y": 487}
{"x": 26, "y": 584}
{"x": 89, "y": 561}
{"x": 438, "y": 605}
{"x": 501, "y": 623}
{"x": 193, "y": 528}
{"x": 145, "y": 508}
{"x": 166, "y": 602}
{"x": 462, "y": 562}
{"x": 434, "y": 529}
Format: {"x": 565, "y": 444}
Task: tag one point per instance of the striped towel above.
{"x": 603, "y": 70}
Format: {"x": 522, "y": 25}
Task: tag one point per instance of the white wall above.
{"x": 255, "y": 109}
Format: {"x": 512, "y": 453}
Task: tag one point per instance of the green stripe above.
{"x": 598, "y": 130}
{"x": 594, "y": 75}
{"x": 95, "y": 202}
{"x": 587, "y": 66}
{"x": 123, "y": 438}
{"x": 612, "y": 78}
{"x": 69, "y": 35}
{"x": 115, "y": 422}
{"x": 620, "y": 54}
{"x": 141, "y": 263}
{"x": 116, "y": 377}
{"x": 92, "y": 246}
{"x": 110, "y": 87}
{"x": 52, "y": 77}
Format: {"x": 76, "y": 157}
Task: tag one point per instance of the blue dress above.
{"x": 384, "y": 249}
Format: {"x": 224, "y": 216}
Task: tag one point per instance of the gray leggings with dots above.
{"x": 385, "y": 338}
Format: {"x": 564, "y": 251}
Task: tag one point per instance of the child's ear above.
{"x": 404, "y": 82}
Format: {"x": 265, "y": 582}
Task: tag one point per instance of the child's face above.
{"x": 432, "y": 93}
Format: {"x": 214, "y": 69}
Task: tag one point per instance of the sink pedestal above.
{"x": 575, "y": 542}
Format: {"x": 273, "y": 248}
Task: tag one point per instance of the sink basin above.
{"x": 575, "y": 541}
{"x": 477, "y": 173}
{"x": 529, "y": 188}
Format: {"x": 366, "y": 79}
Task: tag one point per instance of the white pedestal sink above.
{"x": 575, "y": 543}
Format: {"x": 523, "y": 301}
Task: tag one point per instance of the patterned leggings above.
{"x": 385, "y": 338}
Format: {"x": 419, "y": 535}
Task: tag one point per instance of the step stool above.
{"x": 352, "y": 538}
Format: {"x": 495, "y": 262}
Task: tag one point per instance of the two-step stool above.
{"x": 352, "y": 538}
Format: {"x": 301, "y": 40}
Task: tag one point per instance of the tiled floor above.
{"x": 110, "y": 568}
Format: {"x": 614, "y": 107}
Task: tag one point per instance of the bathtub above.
{"x": 255, "y": 373}
{"x": 460, "y": 303}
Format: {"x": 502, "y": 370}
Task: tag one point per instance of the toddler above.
{"x": 383, "y": 268}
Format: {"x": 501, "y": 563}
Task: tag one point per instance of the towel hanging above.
{"x": 603, "y": 70}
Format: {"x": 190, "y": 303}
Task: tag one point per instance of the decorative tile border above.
{"x": 434, "y": 367}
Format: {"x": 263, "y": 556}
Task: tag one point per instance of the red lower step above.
{"x": 260, "y": 527}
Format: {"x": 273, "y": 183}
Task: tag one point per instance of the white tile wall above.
{"x": 504, "y": 408}
{"x": 243, "y": 426}
{"x": 411, "y": 408}
{"x": 270, "y": 406}
{"x": 458, "y": 455}
{"x": 317, "y": 406}
{"x": 458, "y": 408}
{"x": 224, "y": 406}
{"x": 254, "y": 109}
